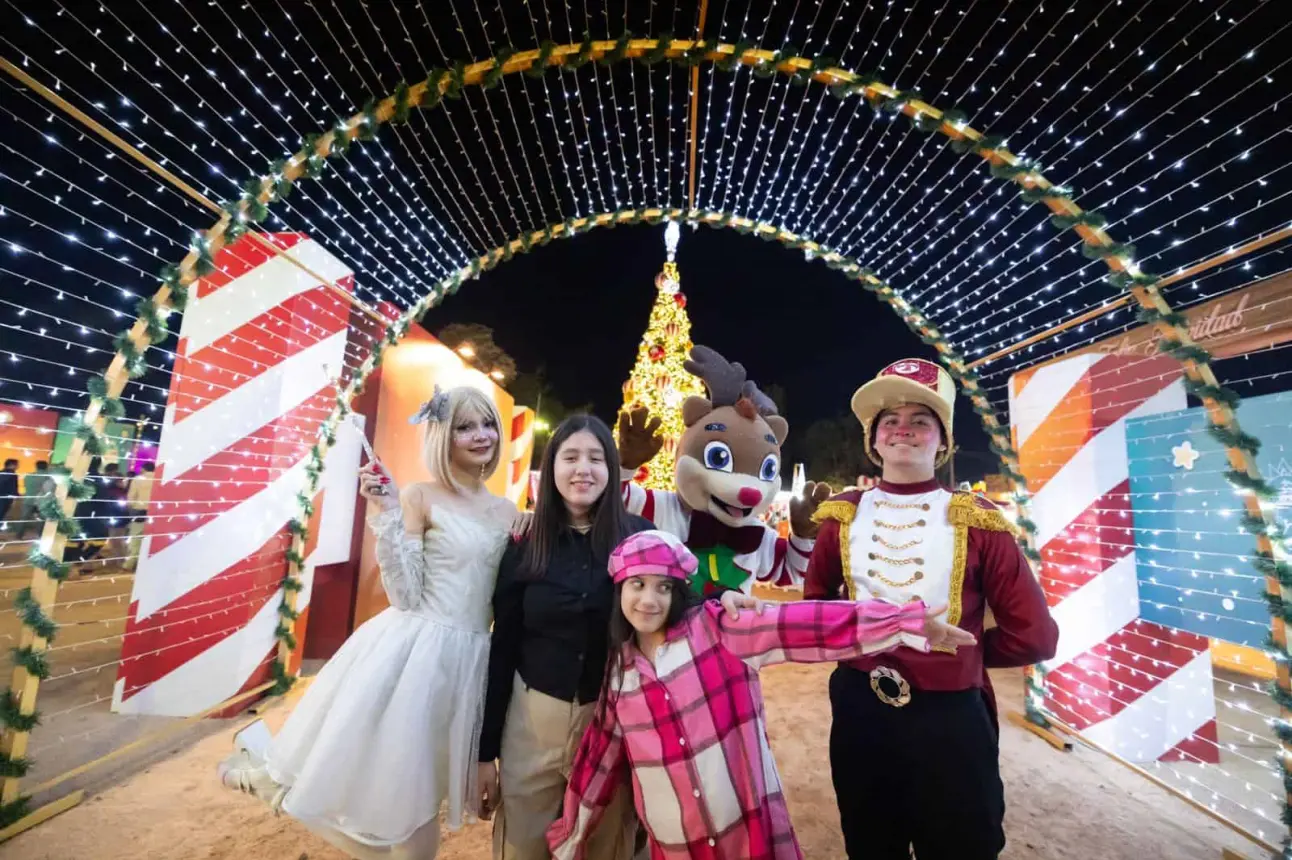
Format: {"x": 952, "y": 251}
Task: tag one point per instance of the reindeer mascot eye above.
{"x": 771, "y": 468}
{"x": 717, "y": 456}
{"x": 728, "y": 472}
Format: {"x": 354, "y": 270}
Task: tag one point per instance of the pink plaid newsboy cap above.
{"x": 652, "y": 552}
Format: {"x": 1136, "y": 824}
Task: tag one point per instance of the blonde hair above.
{"x": 437, "y": 442}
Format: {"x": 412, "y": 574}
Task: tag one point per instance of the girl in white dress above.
{"x": 388, "y": 732}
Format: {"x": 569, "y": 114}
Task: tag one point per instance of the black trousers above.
{"x": 925, "y": 775}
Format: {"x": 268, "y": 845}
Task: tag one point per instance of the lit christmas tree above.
{"x": 658, "y": 381}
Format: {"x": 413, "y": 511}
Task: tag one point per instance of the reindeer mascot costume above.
{"x": 728, "y": 472}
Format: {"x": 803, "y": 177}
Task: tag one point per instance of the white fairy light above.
{"x": 215, "y": 94}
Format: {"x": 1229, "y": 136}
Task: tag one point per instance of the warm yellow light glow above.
{"x": 658, "y": 380}
{"x": 466, "y": 351}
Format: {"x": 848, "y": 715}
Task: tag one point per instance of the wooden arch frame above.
{"x": 18, "y": 707}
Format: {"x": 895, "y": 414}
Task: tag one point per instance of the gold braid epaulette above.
{"x": 834, "y": 509}
{"x": 964, "y": 510}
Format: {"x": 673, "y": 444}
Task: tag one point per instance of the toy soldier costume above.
{"x": 914, "y": 741}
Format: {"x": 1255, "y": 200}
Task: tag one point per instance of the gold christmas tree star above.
{"x": 658, "y": 381}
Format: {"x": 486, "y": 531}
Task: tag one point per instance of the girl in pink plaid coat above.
{"x": 681, "y": 710}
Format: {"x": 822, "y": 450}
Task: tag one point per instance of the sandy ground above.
{"x": 1074, "y": 805}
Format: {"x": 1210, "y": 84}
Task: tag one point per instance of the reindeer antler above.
{"x": 724, "y": 379}
{"x": 766, "y": 406}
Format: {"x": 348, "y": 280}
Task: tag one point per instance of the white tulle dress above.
{"x": 389, "y": 730}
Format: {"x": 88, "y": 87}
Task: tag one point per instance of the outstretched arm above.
{"x": 819, "y": 631}
{"x": 598, "y": 771}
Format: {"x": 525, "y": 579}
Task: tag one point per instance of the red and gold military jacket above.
{"x": 905, "y": 542}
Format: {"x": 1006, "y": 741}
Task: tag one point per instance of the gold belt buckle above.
{"x": 890, "y": 687}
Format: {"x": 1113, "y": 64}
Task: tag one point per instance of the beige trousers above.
{"x": 135, "y": 540}
{"x": 539, "y": 740}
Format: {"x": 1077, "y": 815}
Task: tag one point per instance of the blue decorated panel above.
{"x": 1193, "y": 557}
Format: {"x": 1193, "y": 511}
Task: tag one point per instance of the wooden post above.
{"x": 1230, "y": 854}
{"x": 49, "y": 810}
{"x": 40, "y": 816}
{"x": 23, "y": 685}
{"x": 44, "y": 588}
{"x": 297, "y": 550}
{"x": 1122, "y": 301}
{"x": 695, "y": 107}
{"x": 1061, "y": 744}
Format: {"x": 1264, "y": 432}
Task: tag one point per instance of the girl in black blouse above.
{"x": 548, "y": 653}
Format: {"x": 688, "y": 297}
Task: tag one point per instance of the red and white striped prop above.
{"x": 520, "y": 451}
{"x": 249, "y": 391}
{"x": 1133, "y": 686}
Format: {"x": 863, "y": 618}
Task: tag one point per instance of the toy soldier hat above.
{"x": 911, "y": 380}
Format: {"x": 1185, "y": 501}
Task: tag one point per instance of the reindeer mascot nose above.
{"x": 727, "y": 474}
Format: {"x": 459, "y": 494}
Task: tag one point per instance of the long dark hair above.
{"x": 684, "y": 599}
{"x": 610, "y": 522}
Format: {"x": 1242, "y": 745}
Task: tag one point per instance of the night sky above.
{"x": 1165, "y": 121}
{"x": 579, "y": 308}
{"x": 1174, "y": 128}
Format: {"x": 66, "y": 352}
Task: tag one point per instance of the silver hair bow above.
{"x": 435, "y": 409}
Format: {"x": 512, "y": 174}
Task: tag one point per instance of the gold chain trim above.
{"x": 897, "y": 562}
{"x": 955, "y": 593}
{"x": 964, "y": 514}
{"x": 896, "y": 547}
{"x": 845, "y": 554}
{"x": 912, "y": 506}
{"x": 915, "y": 577}
{"x": 898, "y": 527}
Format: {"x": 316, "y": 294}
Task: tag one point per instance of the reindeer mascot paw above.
{"x": 727, "y": 474}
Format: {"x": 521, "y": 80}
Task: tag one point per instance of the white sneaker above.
{"x": 235, "y": 770}
{"x": 253, "y": 739}
{"x": 241, "y": 772}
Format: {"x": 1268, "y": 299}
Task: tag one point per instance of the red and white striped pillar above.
{"x": 1135, "y": 687}
{"x": 519, "y": 453}
{"x": 250, "y": 388}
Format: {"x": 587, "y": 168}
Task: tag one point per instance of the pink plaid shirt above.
{"x": 691, "y": 728}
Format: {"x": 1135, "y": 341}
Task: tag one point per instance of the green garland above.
{"x": 15, "y": 811}
{"x": 441, "y": 83}
{"x": 149, "y": 329}
{"x": 13, "y": 716}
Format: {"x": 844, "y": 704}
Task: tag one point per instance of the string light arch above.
{"x": 238, "y": 218}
